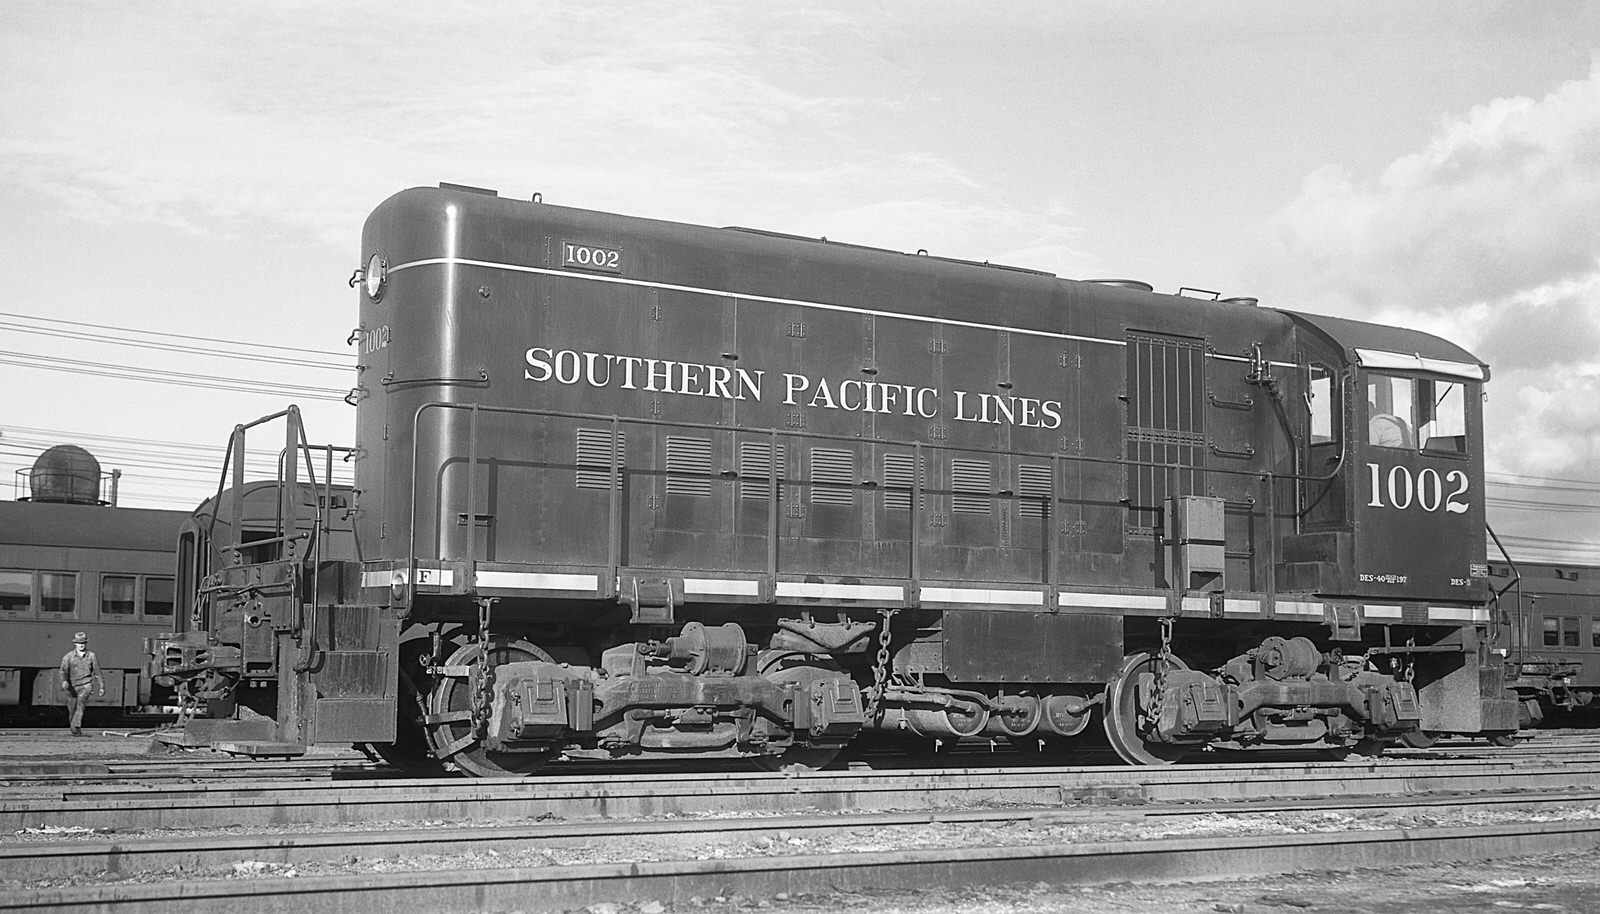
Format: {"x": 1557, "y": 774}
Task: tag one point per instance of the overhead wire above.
{"x": 80, "y": 335}
{"x": 179, "y": 336}
{"x": 154, "y": 375}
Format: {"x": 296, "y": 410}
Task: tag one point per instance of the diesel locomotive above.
{"x": 628, "y": 488}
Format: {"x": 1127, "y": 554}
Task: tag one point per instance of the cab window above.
{"x": 1416, "y": 414}
{"x": 1442, "y": 416}
{"x": 1320, "y": 401}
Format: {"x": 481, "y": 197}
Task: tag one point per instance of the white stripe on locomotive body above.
{"x": 521, "y": 580}
{"x": 980, "y": 595}
{"x": 1081, "y": 600}
{"x": 721, "y": 587}
{"x": 1458, "y": 614}
{"x": 428, "y": 577}
{"x": 807, "y": 590}
{"x": 846, "y": 309}
{"x": 751, "y": 589}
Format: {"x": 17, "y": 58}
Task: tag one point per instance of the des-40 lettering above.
{"x": 1427, "y": 490}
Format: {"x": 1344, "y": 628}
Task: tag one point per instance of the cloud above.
{"x": 307, "y": 116}
{"x": 1504, "y": 199}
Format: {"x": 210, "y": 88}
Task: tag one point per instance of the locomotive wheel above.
{"x": 1419, "y": 739}
{"x": 802, "y": 670}
{"x": 1122, "y": 715}
{"x": 409, "y": 751}
{"x": 449, "y": 718}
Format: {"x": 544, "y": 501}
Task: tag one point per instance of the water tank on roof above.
{"x": 65, "y": 473}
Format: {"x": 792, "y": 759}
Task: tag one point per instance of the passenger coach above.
{"x": 72, "y": 561}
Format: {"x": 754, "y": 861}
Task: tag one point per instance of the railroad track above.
{"x": 555, "y": 840}
{"x": 202, "y": 805}
{"x": 537, "y": 868}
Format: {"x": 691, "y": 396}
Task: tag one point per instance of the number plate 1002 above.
{"x": 591, "y": 257}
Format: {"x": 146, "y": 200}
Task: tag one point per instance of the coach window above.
{"x": 158, "y": 597}
{"x": 58, "y": 592}
{"x": 116, "y": 594}
{"x": 16, "y": 591}
{"x": 1562, "y": 632}
{"x": 1594, "y": 632}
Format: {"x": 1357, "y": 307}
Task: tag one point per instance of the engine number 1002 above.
{"x": 1428, "y": 489}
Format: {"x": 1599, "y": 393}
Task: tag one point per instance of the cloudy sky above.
{"x": 182, "y": 184}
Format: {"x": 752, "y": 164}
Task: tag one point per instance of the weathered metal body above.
{"x": 635, "y": 487}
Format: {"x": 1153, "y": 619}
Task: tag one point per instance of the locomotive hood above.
{"x": 1377, "y": 346}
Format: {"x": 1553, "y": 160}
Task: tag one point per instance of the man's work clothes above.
{"x": 78, "y": 671}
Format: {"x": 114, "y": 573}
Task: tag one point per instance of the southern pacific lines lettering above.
{"x": 603, "y": 369}
{"x": 697, "y": 379}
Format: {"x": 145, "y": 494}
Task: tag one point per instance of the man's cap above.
{"x": 80, "y": 638}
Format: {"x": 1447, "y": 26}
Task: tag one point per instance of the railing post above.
{"x": 773, "y": 488}
{"x": 916, "y": 514}
{"x": 614, "y": 501}
{"x": 288, "y": 481}
{"x": 472, "y": 500}
{"x": 1270, "y": 501}
{"x": 1053, "y": 564}
{"x": 236, "y": 455}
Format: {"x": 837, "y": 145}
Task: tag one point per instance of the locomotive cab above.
{"x": 1391, "y": 500}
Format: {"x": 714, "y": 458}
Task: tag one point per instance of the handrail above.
{"x": 916, "y": 490}
{"x": 1519, "y": 630}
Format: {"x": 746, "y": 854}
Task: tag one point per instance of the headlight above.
{"x": 376, "y": 274}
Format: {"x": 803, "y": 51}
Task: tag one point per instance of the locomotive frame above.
{"x": 630, "y": 487}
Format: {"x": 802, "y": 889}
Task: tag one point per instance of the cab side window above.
{"x": 1416, "y": 414}
{"x": 1442, "y": 416}
{"x": 1391, "y": 411}
{"x": 1320, "y": 402}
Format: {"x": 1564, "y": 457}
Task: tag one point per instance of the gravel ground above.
{"x": 1568, "y": 883}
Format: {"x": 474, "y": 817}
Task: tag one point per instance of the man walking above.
{"x": 79, "y": 668}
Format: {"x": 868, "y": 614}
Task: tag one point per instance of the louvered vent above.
{"x": 898, "y": 481}
{"x": 1033, "y": 491}
{"x": 971, "y": 476}
{"x": 832, "y": 477}
{"x": 594, "y": 457}
{"x": 756, "y": 468}
{"x": 688, "y": 466}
